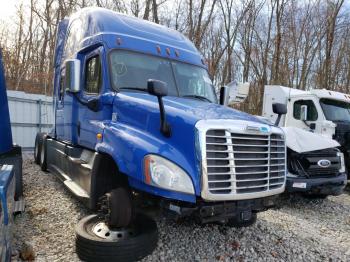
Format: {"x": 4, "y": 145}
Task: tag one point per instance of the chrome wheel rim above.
{"x": 102, "y": 230}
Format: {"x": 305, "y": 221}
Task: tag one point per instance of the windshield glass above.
{"x": 335, "y": 110}
{"x": 132, "y": 70}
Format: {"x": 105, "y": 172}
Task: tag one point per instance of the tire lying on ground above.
{"x": 95, "y": 242}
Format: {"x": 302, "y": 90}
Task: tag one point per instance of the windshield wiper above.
{"x": 132, "y": 88}
{"x": 203, "y": 98}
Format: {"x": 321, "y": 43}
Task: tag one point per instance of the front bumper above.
{"x": 206, "y": 212}
{"x": 324, "y": 186}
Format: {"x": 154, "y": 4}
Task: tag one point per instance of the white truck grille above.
{"x": 242, "y": 165}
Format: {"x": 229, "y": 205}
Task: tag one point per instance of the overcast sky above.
{"x": 8, "y": 7}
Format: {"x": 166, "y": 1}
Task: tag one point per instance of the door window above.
{"x": 311, "y": 110}
{"x": 93, "y": 75}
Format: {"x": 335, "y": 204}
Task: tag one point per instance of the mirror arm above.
{"x": 92, "y": 105}
{"x": 278, "y": 120}
{"x": 306, "y": 123}
{"x": 78, "y": 98}
{"x": 164, "y": 126}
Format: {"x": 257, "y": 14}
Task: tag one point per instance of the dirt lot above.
{"x": 301, "y": 229}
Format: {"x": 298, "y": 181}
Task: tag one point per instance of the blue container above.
{"x": 5, "y": 127}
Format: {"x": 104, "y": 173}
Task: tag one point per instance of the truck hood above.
{"x": 203, "y": 110}
{"x": 190, "y": 110}
{"x": 300, "y": 140}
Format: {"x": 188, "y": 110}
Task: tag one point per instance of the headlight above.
{"x": 162, "y": 173}
{"x": 342, "y": 162}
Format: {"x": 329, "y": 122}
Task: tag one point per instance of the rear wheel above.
{"x": 95, "y": 241}
{"x": 43, "y": 155}
{"x": 37, "y": 149}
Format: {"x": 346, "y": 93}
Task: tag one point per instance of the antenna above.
{"x": 290, "y": 90}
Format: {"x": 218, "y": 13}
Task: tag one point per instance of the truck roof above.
{"x": 324, "y": 93}
{"x": 125, "y": 32}
{"x": 321, "y": 93}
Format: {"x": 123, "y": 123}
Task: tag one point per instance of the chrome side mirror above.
{"x": 72, "y": 78}
{"x": 303, "y": 113}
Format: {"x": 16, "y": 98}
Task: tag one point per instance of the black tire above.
{"x": 90, "y": 247}
{"x": 43, "y": 155}
{"x": 37, "y": 149}
{"x": 120, "y": 207}
{"x": 238, "y": 222}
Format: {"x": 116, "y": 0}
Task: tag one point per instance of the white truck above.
{"x": 321, "y": 111}
{"x": 315, "y": 160}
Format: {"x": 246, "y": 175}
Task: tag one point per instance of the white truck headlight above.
{"x": 342, "y": 162}
{"x": 162, "y": 173}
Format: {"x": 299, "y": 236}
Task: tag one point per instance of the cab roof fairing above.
{"x": 60, "y": 40}
{"x": 134, "y": 34}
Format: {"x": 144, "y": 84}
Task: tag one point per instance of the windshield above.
{"x": 131, "y": 70}
{"x": 335, "y": 110}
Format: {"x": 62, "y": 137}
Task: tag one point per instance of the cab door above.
{"x": 93, "y": 86}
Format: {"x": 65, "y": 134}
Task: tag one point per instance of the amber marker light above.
{"x": 99, "y": 136}
{"x": 147, "y": 174}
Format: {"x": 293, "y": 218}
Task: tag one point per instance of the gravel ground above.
{"x": 302, "y": 229}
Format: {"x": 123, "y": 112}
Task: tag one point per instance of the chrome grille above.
{"x": 240, "y": 163}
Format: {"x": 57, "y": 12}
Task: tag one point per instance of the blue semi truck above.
{"x": 138, "y": 121}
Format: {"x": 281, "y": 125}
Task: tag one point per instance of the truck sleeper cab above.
{"x": 135, "y": 109}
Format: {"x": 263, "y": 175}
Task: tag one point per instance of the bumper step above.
{"x": 19, "y": 206}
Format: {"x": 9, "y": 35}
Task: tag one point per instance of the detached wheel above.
{"x": 37, "y": 149}
{"x": 237, "y": 221}
{"x": 43, "y": 155}
{"x": 117, "y": 207}
{"x": 95, "y": 241}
